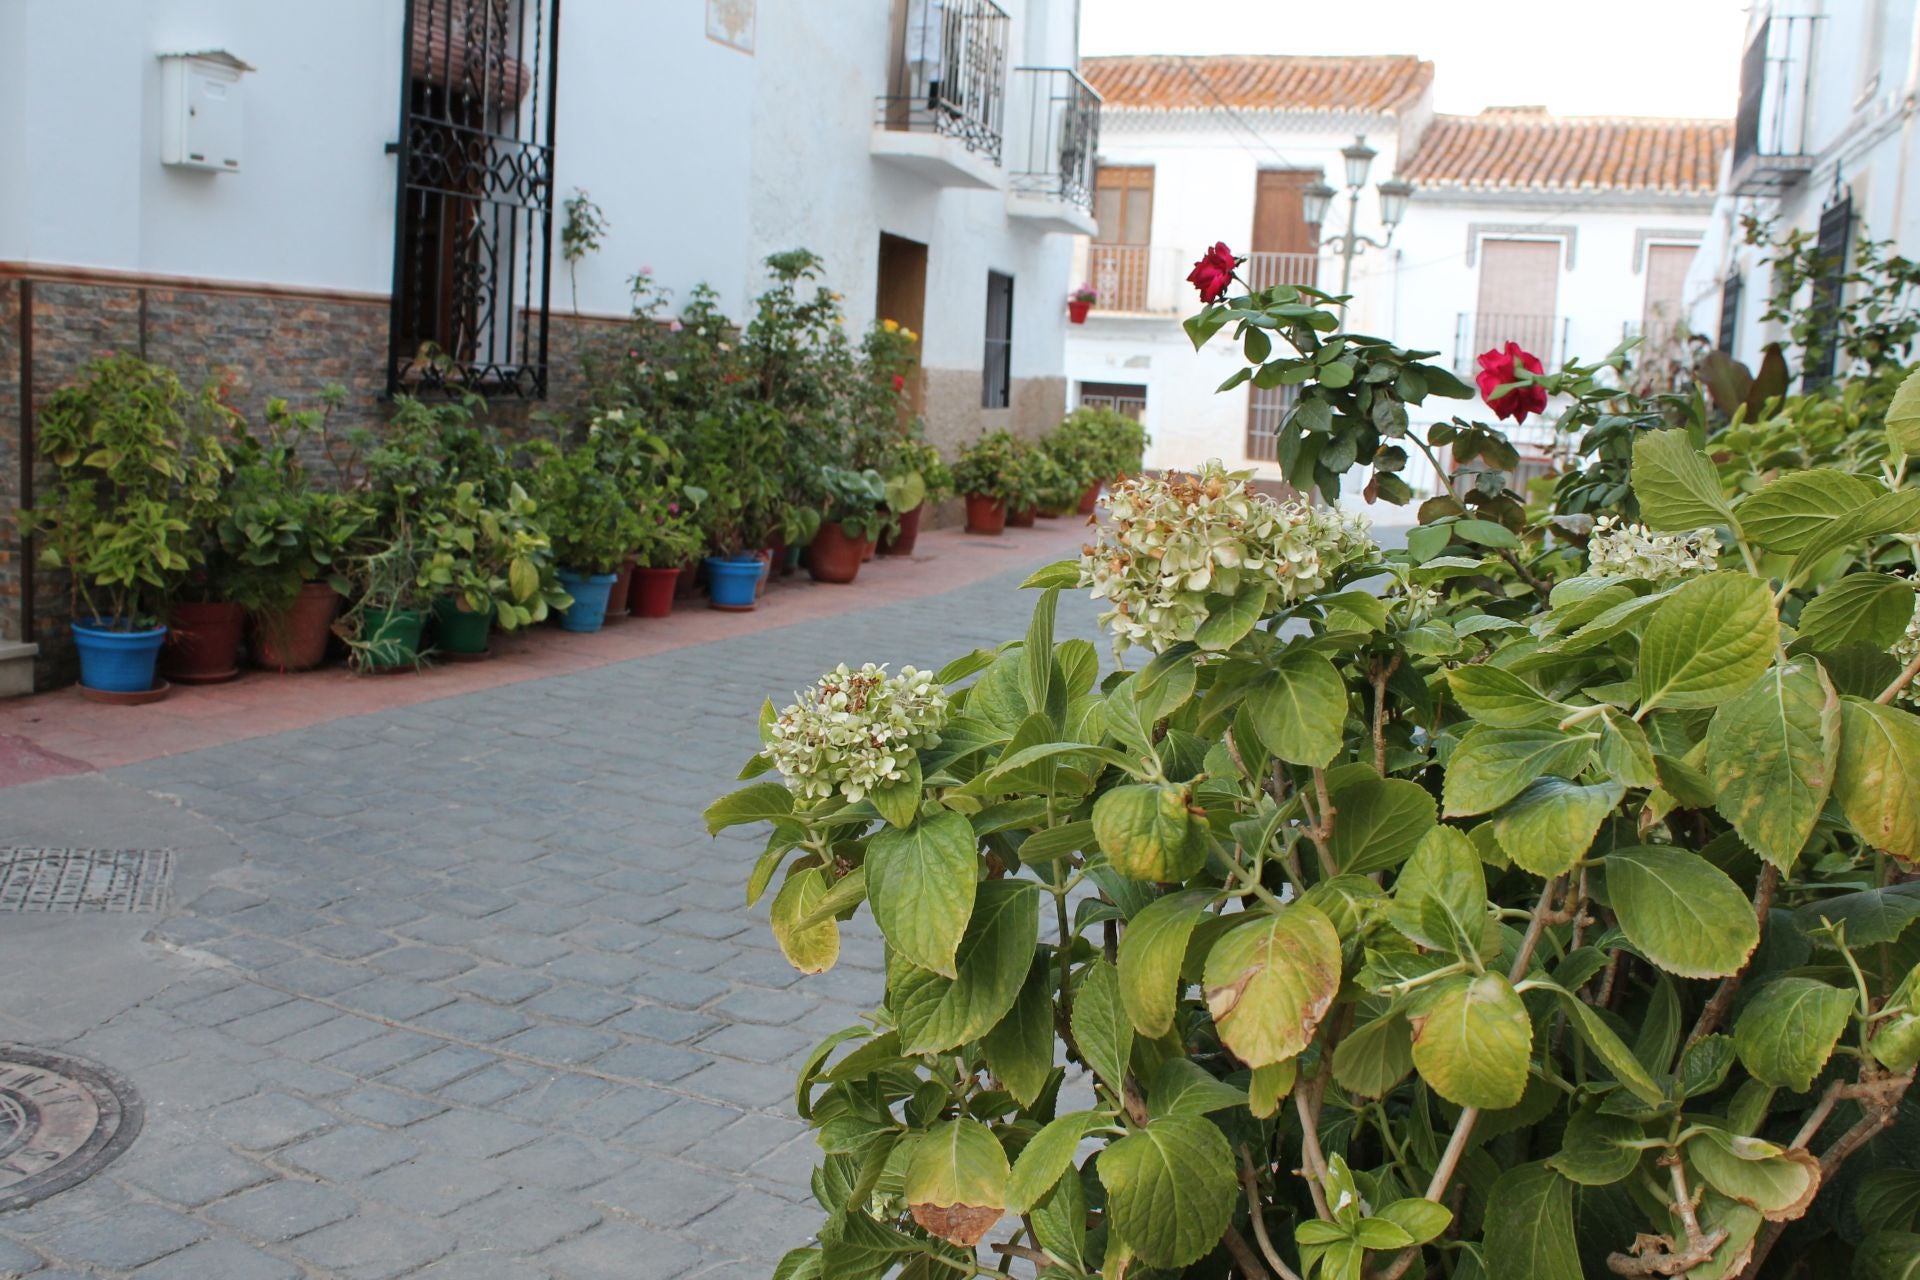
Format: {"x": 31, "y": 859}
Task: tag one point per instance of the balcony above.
{"x": 1050, "y": 155}
{"x": 1770, "y": 152}
{"x": 1151, "y": 280}
{"x": 943, "y": 114}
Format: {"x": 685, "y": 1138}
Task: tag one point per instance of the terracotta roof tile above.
{"x": 1529, "y": 150}
{"x": 1166, "y": 82}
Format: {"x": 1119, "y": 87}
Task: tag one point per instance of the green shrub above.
{"x": 991, "y": 466}
{"x": 1530, "y": 902}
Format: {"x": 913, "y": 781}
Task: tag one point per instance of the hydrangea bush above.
{"x": 1530, "y": 903}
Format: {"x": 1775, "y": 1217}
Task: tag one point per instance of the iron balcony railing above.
{"x": 1770, "y": 150}
{"x": 1053, "y": 154}
{"x": 1477, "y": 331}
{"x": 949, "y": 73}
{"x": 1152, "y": 279}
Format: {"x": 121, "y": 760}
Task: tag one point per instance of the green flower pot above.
{"x": 391, "y": 636}
{"x": 460, "y": 631}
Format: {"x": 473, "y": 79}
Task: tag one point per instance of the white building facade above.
{"x": 1824, "y": 142}
{"x": 1565, "y": 235}
{"x": 291, "y": 196}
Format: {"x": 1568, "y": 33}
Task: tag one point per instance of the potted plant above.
{"x": 384, "y": 628}
{"x": 855, "y": 518}
{"x": 487, "y": 567}
{"x": 988, "y": 475}
{"x": 1080, "y": 301}
{"x": 592, "y": 527}
{"x": 1056, "y": 487}
{"x": 135, "y": 460}
{"x": 916, "y": 476}
{"x": 1022, "y": 486}
{"x": 670, "y": 538}
{"x": 1099, "y": 445}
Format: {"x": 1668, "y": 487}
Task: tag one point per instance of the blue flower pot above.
{"x": 116, "y": 661}
{"x": 733, "y": 581}
{"x": 589, "y": 592}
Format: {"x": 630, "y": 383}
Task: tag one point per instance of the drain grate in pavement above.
{"x": 84, "y": 879}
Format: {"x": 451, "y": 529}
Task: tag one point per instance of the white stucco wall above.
{"x": 703, "y": 158}
{"x": 1859, "y": 125}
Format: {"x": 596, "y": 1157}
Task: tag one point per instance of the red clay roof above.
{"x": 1529, "y": 150}
{"x": 1258, "y": 82}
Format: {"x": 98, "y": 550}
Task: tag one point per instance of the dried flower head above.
{"x": 1619, "y": 550}
{"x": 855, "y": 731}
{"x": 1174, "y": 540}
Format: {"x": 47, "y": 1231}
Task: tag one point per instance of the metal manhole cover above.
{"x": 85, "y": 879}
{"x": 62, "y": 1119}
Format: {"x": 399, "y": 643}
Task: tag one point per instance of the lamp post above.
{"x": 1317, "y": 199}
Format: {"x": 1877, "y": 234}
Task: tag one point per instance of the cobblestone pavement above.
{"x": 459, "y": 989}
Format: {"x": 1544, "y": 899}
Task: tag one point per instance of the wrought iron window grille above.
{"x": 1054, "y": 154}
{"x": 949, "y": 73}
{"x": 473, "y": 220}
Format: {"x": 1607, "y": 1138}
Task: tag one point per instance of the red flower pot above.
{"x": 1021, "y": 519}
{"x": 295, "y": 639}
{"x": 835, "y": 555}
{"x": 652, "y": 591}
{"x": 203, "y": 643}
{"x": 766, "y": 571}
{"x": 1077, "y": 311}
{"x": 984, "y": 514}
{"x": 1090, "y": 498}
{"x": 901, "y": 542}
{"x": 618, "y": 593}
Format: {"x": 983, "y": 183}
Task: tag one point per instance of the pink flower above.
{"x": 1497, "y": 369}
{"x": 674, "y": 326}
{"x": 673, "y": 508}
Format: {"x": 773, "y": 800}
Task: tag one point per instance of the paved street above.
{"x": 462, "y": 988}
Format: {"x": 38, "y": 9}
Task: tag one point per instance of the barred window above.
{"x": 996, "y": 389}
{"x": 473, "y": 225}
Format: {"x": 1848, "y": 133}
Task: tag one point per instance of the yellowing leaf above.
{"x": 1269, "y": 982}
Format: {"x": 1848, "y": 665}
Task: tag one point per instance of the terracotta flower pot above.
{"x": 651, "y": 593}
{"x": 1090, "y": 498}
{"x": 1021, "y": 519}
{"x": 617, "y": 598}
{"x": 295, "y": 639}
{"x": 1077, "y": 311}
{"x": 901, "y": 542}
{"x": 984, "y": 514}
{"x": 765, "y": 555}
{"x": 835, "y": 554}
{"x": 203, "y": 643}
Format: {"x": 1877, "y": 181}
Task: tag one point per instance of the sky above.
{"x": 1574, "y": 57}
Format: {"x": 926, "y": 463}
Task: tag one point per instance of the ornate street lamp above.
{"x": 1316, "y": 201}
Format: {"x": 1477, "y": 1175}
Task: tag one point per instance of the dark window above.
{"x": 474, "y": 218}
{"x": 996, "y": 388}
{"x": 1729, "y": 312}
{"x": 1836, "y": 226}
{"x": 1129, "y": 398}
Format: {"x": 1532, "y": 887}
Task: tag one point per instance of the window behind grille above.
{"x": 1836, "y": 226}
{"x": 474, "y": 214}
{"x": 996, "y": 388}
{"x": 1729, "y": 312}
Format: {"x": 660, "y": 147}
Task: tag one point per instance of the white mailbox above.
{"x": 200, "y": 110}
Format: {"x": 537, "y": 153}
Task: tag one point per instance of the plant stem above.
{"x": 1380, "y": 676}
{"x": 1254, "y": 1211}
{"x": 1722, "y": 999}
{"x": 1311, "y": 1156}
{"x": 1900, "y": 682}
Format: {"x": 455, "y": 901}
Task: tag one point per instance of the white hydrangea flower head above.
{"x": 1171, "y": 540}
{"x": 1619, "y": 550}
{"x": 1414, "y": 603}
{"x": 855, "y": 731}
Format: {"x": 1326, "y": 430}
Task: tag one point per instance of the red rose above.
{"x": 1497, "y": 369}
{"x": 899, "y": 382}
{"x": 1214, "y": 272}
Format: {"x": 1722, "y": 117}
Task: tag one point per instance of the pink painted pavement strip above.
{"x": 50, "y": 734}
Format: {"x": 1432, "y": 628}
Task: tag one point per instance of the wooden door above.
{"x": 1117, "y": 259}
{"x": 901, "y": 295}
{"x": 1519, "y": 291}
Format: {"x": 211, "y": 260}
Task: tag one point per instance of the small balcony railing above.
{"x": 1770, "y": 145}
{"x": 1152, "y": 279}
{"x": 949, "y": 74}
{"x": 1477, "y": 331}
{"x": 1052, "y": 155}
